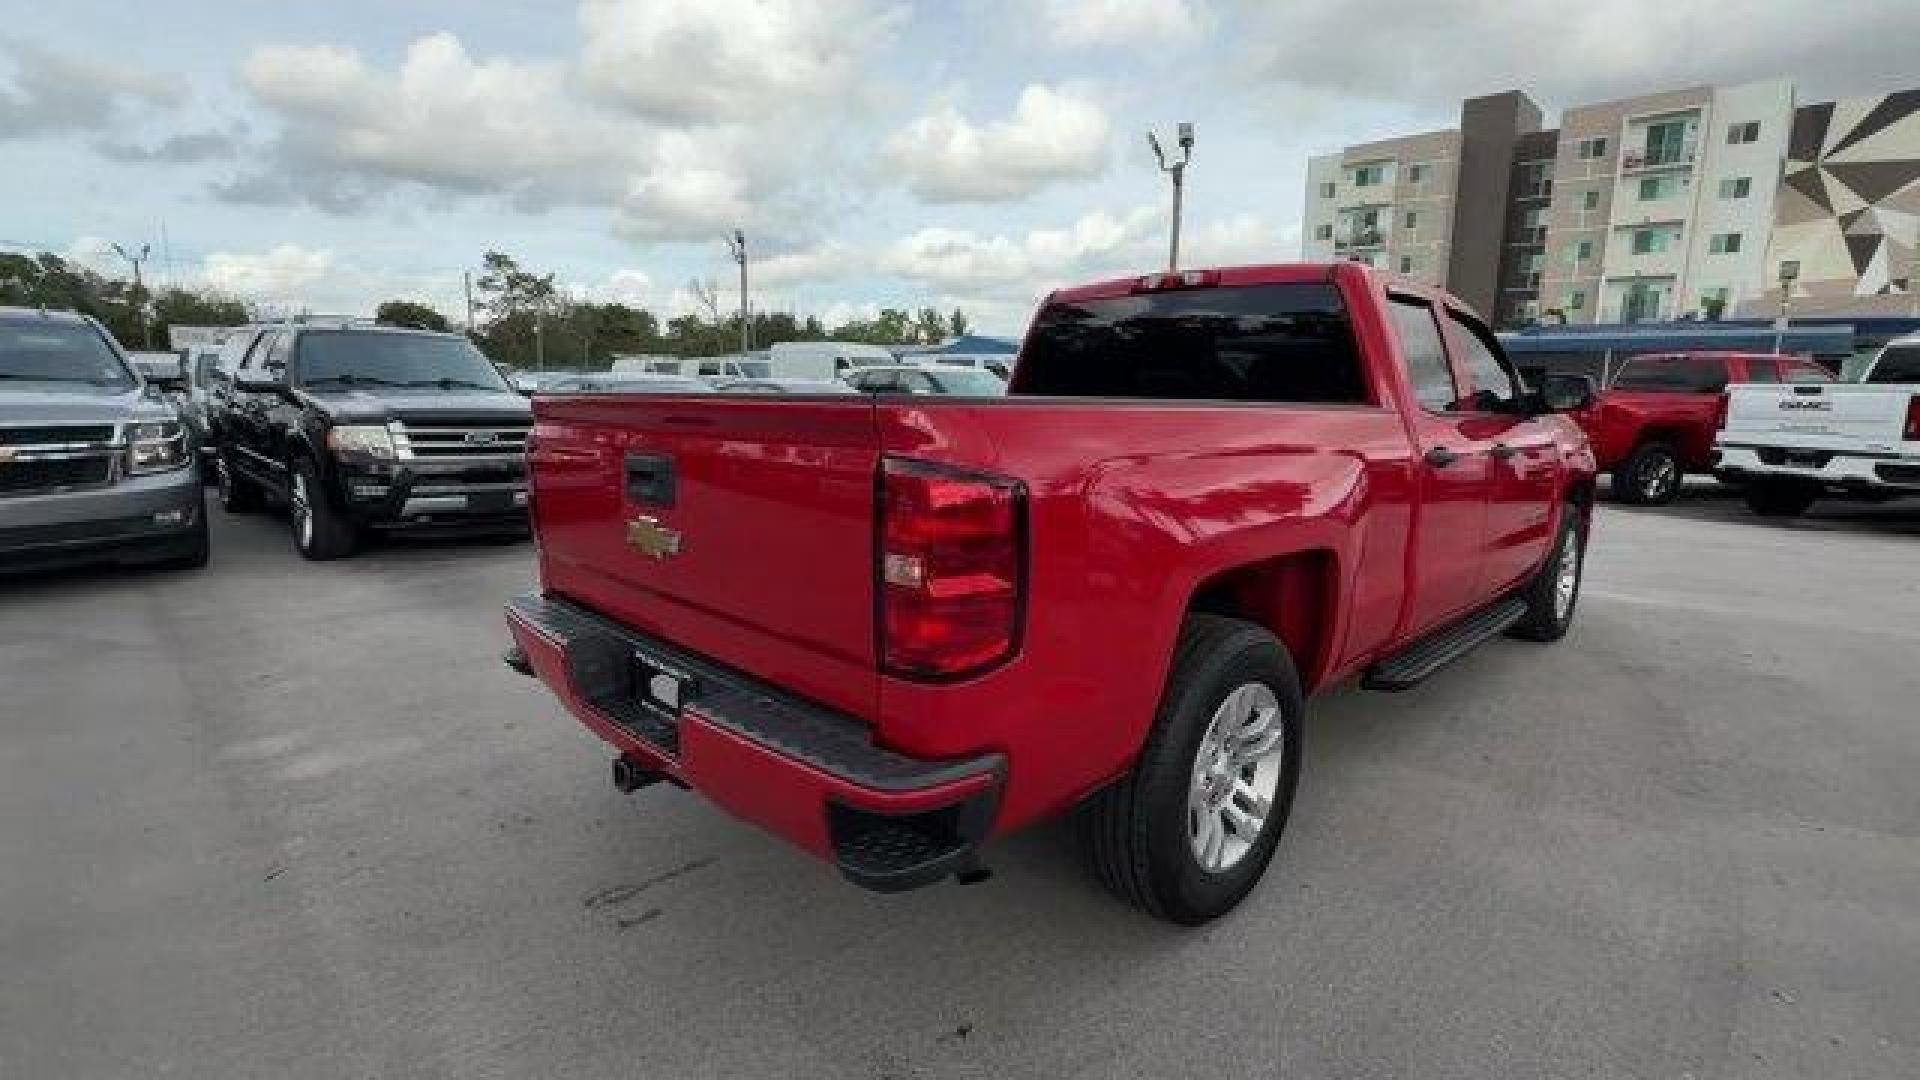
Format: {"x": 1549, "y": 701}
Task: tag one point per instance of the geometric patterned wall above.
{"x": 1849, "y": 203}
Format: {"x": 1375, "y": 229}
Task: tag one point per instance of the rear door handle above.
{"x": 1440, "y": 457}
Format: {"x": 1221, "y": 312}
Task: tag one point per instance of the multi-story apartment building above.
{"x": 1399, "y": 204}
{"x": 1658, "y": 207}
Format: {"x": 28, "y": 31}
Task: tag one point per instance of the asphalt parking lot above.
{"x": 296, "y": 820}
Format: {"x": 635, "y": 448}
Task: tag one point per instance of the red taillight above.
{"x": 949, "y": 569}
{"x": 1720, "y": 413}
{"x": 1912, "y": 431}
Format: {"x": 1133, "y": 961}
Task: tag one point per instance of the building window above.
{"x": 1582, "y": 251}
{"x": 1413, "y": 220}
{"x": 1592, "y": 148}
{"x": 1713, "y": 302}
{"x": 1406, "y": 264}
{"x": 1416, "y": 173}
{"x": 1658, "y": 187}
{"x": 1327, "y": 189}
{"x": 1590, "y": 200}
{"x": 1748, "y": 132}
{"x": 1536, "y": 180}
{"x": 1368, "y": 175}
{"x": 1667, "y": 143}
{"x": 1649, "y": 241}
{"x": 1736, "y": 187}
{"x": 1724, "y": 243}
{"x": 1324, "y": 232}
{"x": 1576, "y": 300}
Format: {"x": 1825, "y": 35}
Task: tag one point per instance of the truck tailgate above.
{"x": 737, "y": 527}
{"x": 1819, "y": 415}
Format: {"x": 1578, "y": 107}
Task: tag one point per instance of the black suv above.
{"x": 354, "y": 427}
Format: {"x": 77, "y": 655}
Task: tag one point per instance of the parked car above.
{"x": 889, "y": 630}
{"x": 783, "y": 386}
{"x": 627, "y": 382}
{"x": 927, "y": 379}
{"x": 1655, "y": 424}
{"x": 358, "y": 427}
{"x": 1791, "y": 445}
{"x": 95, "y": 464}
{"x": 202, "y": 366}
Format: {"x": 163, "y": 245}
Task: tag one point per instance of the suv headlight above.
{"x": 156, "y": 447}
{"x": 361, "y": 440}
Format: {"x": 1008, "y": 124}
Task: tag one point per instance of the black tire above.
{"x": 1776, "y": 497}
{"x": 199, "y": 546}
{"x": 237, "y": 494}
{"x": 1650, "y": 476}
{"x": 1547, "y": 619}
{"x": 1137, "y": 830}
{"x": 319, "y": 531}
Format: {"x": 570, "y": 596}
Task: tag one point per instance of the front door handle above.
{"x": 1503, "y": 451}
{"x": 1440, "y": 457}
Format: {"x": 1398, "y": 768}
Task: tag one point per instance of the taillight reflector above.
{"x": 949, "y": 573}
{"x": 1912, "y": 431}
{"x": 1720, "y": 412}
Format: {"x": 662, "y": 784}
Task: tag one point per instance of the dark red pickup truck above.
{"x": 890, "y": 628}
{"x": 1655, "y": 423}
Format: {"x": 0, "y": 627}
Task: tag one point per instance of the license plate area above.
{"x": 660, "y": 685}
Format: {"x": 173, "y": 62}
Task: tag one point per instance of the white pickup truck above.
{"x": 1790, "y": 444}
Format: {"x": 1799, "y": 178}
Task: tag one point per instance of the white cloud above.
{"x": 441, "y": 119}
{"x": 1560, "y": 54}
{"x": 631, "y": 287}
{"x": 50, "y": 93}
{"x": 285, "y": 273}
{"x": 1053, "y": 135}
{"x": 715, "y": 60}
{"x": 961, "y": 259}
{"x": 1143, "y": 24}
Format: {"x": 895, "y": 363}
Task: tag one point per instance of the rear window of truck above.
{"x": 1286, "y": 343}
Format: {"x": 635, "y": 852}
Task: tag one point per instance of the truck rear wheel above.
{"x": 1189, "y": 830}
{"x": 1649, "y": 477}
{"x": 1775, "y": 497}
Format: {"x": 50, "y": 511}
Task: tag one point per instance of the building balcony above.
{"x": 1640, "y": 161}
{"x": 1360, "y": 238}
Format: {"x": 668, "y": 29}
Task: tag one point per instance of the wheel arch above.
{"x": 1293, "y": 595}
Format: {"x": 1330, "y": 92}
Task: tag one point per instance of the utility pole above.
{"x": 466, "y": 281}
{"x": 1178, "y": 171}
{"x": 1789, "y": 271}
{"x": 139, "y": 292}
{"x": 737, "y": 245}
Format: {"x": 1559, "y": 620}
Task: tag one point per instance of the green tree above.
{"x": 957, "y": 322}
{"x": 409, "y": 313}
{"x": 930, "y": 326}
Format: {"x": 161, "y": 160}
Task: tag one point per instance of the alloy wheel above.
{"x": 1236, "y": 776}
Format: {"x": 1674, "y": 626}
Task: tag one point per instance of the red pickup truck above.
{"x": 889, "y": 628}
{"x": 1656, "y": 422}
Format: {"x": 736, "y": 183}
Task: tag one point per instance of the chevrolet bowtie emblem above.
{"x": 648, "y": 535}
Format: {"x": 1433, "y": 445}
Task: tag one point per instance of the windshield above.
{"x": 390, "y": 359}
{"x": 968, "y": 383}
{"x": 1899, "y": 364}
{"x": 59, "y": 352}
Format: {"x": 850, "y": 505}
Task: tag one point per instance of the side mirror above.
{"x": 1566, "y": 393}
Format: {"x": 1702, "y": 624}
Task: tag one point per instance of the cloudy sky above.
{"x": 966, "y": 153}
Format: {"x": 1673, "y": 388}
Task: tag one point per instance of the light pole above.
{"x": 139, "y": 291}
{"x": 737, "y": 245}
{"x": 1789, "y": 272}
{"x": 1177, "y": 170}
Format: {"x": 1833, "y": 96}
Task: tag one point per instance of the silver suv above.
{"x": 95, "y": 464}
